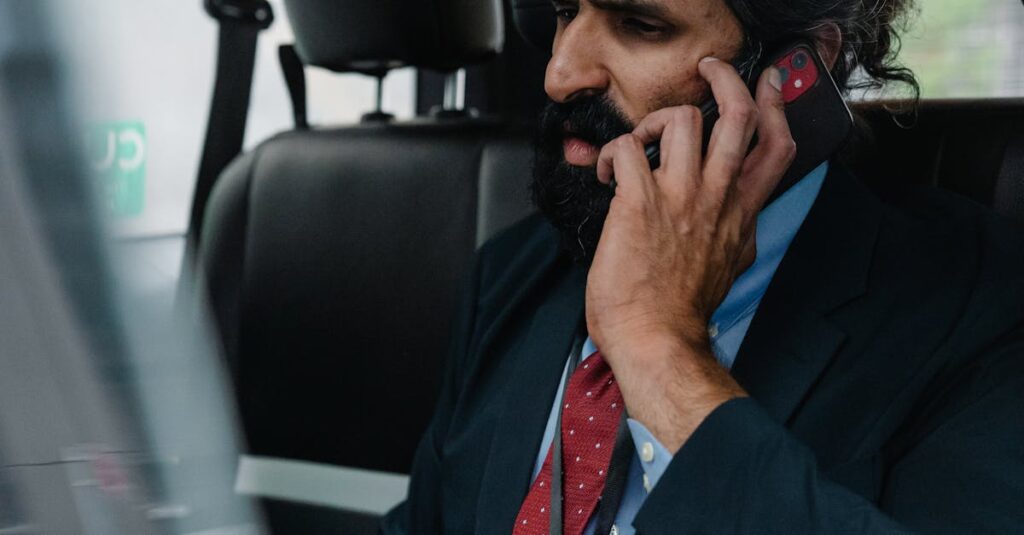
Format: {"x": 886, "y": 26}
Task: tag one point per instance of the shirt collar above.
{"x": 777, "y": 225}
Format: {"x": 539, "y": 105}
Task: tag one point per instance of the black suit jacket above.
{"x": 885, "y": 367}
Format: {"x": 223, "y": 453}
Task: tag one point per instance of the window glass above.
{"x": 966, "y": 48}
{"x": 143, "y": 73}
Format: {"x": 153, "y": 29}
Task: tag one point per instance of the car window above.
{"x": 143, "y": 72}
{"x": 964, "y": 49}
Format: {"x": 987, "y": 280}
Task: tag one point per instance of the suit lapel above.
{"x": 527, "y": 397}
{"x": 791, "y": 339}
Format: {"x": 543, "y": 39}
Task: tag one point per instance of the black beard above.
{"x": 571, "y": 197}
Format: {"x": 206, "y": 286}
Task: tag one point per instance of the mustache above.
{"x": 571, "y": 197}
{"x": 594, "y": 119}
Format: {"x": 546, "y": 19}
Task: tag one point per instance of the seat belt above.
{"x": 295, "y": 79}
{"x": 240, "y": 23}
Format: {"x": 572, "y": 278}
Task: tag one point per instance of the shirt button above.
{"x": 713, "y": 330}
{"x": 647, "y": 483}
{"x": 614, "y": 531}
{"x": 647, "y": 452}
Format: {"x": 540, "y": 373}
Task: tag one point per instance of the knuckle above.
{"x": 688, "y": 115}
{"x": 679, "y": 114}
{"x": 750, "y": 114}
{"x": 781, "y": 147}
{"x": 744, "y": 113}
{"x": 788, "y": 149}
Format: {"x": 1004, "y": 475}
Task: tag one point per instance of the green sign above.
{"x": 117, "y": 151}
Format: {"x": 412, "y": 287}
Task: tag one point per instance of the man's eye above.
{"x": 641, "y": 27}
{"x": 565, "y": 14}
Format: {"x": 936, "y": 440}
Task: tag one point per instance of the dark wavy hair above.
{"x": 870, "y": 30}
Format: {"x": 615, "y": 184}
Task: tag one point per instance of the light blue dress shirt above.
{"x": 777, "y": 225}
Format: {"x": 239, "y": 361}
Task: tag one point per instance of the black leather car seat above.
{"x": 971, "y": 147}
{"x": 332, "y": 257}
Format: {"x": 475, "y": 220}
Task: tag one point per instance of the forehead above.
{"x": 663, "y": 8}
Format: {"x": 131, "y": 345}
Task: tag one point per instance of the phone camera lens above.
{"x": 800, "y": 60}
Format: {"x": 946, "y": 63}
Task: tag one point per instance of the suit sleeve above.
{"x": 742, "y": 472}
{"x": 421, "y": 511}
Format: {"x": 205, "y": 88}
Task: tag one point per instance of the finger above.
{"x": 652, "y": 127}
{"x": 678, "y": 132}
{"x": 681, "y": 150}
{"x": 624, "y": 159}
{"x": 775, "y": 150}
{"x": 606, "y": 162}
{"x": 738, "y": 117}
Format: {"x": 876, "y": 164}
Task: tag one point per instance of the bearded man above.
{"x": 689, "y": 352}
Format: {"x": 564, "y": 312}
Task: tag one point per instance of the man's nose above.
{"x": 576, "y": 66}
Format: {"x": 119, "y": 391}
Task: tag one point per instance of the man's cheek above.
{"x": 688, "y": 91}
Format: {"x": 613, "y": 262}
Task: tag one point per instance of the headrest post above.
{"x": 455, "y": 90}
{"x": 378, "y": 115}
{"x": 380, "y": 94}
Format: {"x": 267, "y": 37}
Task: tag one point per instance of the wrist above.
{"x": 650, "y": 331}
{"x": 671, "y": 384}
{"x": 656, "y": 349}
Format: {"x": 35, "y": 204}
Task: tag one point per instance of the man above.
{"x": 826, "y": 363}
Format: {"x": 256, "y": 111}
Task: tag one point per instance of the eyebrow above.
{"x": 645, "y": 8}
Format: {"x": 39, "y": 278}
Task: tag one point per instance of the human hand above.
{"x": 676, "y": 238}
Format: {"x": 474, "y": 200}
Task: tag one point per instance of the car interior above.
{"x": 332, "y": 256}
{"x": 326, "y": 261}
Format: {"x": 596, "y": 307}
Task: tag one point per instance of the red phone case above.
{"x": 819, "y": 119}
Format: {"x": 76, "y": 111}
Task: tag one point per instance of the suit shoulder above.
{"x": 997, "y": 239}
{"x": 1003, "y": 241}
{"x": 949, "y": 232}
{"x": 523, "y": 245}
{"x": 532, "y": 228}
{"x": 1000, "y": 282}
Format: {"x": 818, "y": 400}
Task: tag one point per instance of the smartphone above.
{"x": 819, "y": 119}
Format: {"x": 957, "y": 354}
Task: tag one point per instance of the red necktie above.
{"x": 591, "y": 408}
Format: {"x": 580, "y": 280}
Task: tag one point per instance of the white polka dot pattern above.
{"x": 593, "y": 407}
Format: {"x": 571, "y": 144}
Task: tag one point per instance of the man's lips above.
{"x": 579, "y": 153}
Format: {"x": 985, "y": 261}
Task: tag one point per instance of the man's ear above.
{"x": 829, "y": 40}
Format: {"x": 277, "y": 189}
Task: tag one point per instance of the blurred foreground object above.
{"x": 113, "y": 416}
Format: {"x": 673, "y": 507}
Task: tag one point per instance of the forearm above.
{"x": 671, "y": 386}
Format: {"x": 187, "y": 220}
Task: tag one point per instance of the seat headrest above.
{"x": 536, "y": 22}
{"x": 374, "y": 36}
